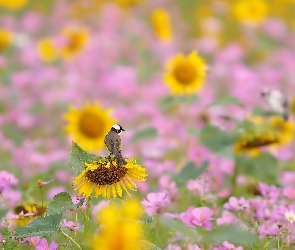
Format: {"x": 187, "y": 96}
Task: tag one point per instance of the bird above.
{"x": 113, "y": 143}
{"x": 277, "y": 102}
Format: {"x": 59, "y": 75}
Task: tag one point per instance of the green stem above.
{"x": 86, "y": 219}
{"x": 71, "y": 239}
{"x": 234, "y": 181}
{"x": 41, "y": 195}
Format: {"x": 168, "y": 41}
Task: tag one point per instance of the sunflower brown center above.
{"x": 185, "y": 72}
{"x": 106, "y": 176}
{"x": 91, "y": 125}
{"x": 75, "y": 41}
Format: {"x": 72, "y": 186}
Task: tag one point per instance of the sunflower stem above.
{"x": 86, "y": 219}
{"x": 71, "y": 239}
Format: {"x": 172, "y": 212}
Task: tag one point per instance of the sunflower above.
{"x": 120, "y": 219}
{"x": 13, "y": 4}
{"x": 285, "y": 128}
{"x": 185, "y": 75}
{"x": 5, "y": 39}
{"x": 47, "y": 51}
{"x": 161, "y": 24}
{"x": 255, "y": 134}
{"x": 251, "y": 11}
{"x": 89, "y": 125}
{"x": 106, "y": 178}
{"x": 76, "y": 39}
{"x": 27, "y": 212}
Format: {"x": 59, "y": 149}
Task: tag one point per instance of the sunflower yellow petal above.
{"x": 114, "y": 192}
{"x": 119, "y": 189}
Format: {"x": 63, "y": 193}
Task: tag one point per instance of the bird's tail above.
{"x": 120, "y": 160}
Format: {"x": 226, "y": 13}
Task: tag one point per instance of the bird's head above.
{"x": 117, "y": 128}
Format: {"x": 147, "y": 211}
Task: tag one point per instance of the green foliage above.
{"x": 145, "y": 134}
{"x": 231, "y": 233}
{"x": 64, "y": 247}
{"x": 173, "y": 101}
{"x": 79, "y": 156}
{"x": 189, "y": 171}
{"x": 10, "y": 244}
{"x": 225, "y": 100}
{"x": 146, "y": 245}
{"x": 258, "y": 111}
{"x": 60, "y": 203}
{"x": 217, "y": 139}
{"x": 263, "y": 167}
{"x": 41, "y": 226}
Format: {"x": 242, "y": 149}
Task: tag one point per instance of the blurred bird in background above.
{"x": 113, "y": 143}
{"x": 277, "y": 102}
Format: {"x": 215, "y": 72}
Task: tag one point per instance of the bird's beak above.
{"x": 122, "y": 129}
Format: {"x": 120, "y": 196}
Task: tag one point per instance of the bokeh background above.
{"x": 70, "y": 69}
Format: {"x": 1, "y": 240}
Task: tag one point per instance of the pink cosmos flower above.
{"x": 289, "y": 192}
{"x": 265, "y": 230}
{"x": 10, "y": 177}
{"x": 71, "y": 225}
{"x": 172, "y": 247}
{"x": 33, "y": 241}
{"x": 236, "y": 204}
{"x": 155, "y": 202}
{"x": 193, "y": 247}
{"x": 227, "y": 218}
{"x": 270, "y": 192}
{"x": 43, "y": 245}
{"x": 3, "y": 184}
{"x": 229, "y": 246}
{"x": 199, "y": 187}
{"x": 200, "y": 216}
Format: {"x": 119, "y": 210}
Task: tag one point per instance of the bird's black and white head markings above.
{"x": 117, "y": 128}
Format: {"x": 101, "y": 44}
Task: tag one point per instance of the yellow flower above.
{"x": 121, "y": 229}
{"x": 22, "y": 210}
{"x": 286, "y": 129}
{"x": 127, "y": 3}
{"x": 47, "y": 51}
{"x": 254, "y": 135}
{"x": 251, "y": 11}
{"x": 5, "y": 39}
{"x": 76, "y": 40}
{"x": 13, "y": 4}
{"x": 161, "y": 24}
{"x": 89, "y": 125}
{"x": 107, "y": 179}
{"x": 185, "y": 75}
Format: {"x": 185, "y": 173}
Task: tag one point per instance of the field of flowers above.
{"x": 204, "y": 90}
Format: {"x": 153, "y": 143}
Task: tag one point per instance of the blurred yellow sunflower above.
{"x": 89, "y": 125}
{"x": 13, "y": 4}
{"x": 127, "y": 3}
{"x": 122, "y": 221}
{"x": 161, "y": 24}
{"x": 185, "y": 75}
{"x": 47, "y": 51}
{"x": 285, "y": 128}
{"x": 254, "y": 134}
{"x": 251, "y": 11}
{"x": 5, "y": 39}
{"x": 76, "y": 40}
{"x": 106, "y": 178}
{"x": 27, "y": 212}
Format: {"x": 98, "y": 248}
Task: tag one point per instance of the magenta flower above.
{"x": 43, "y": 245}
{"x": 172, "y": 247}
{"x": 155, "y": 202}
{"x": 200, "y": 216}
{"x": 71, "y": 225}
{"x": 236, "y": 204}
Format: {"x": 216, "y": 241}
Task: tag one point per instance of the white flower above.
{"x": 290, "y": 216}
